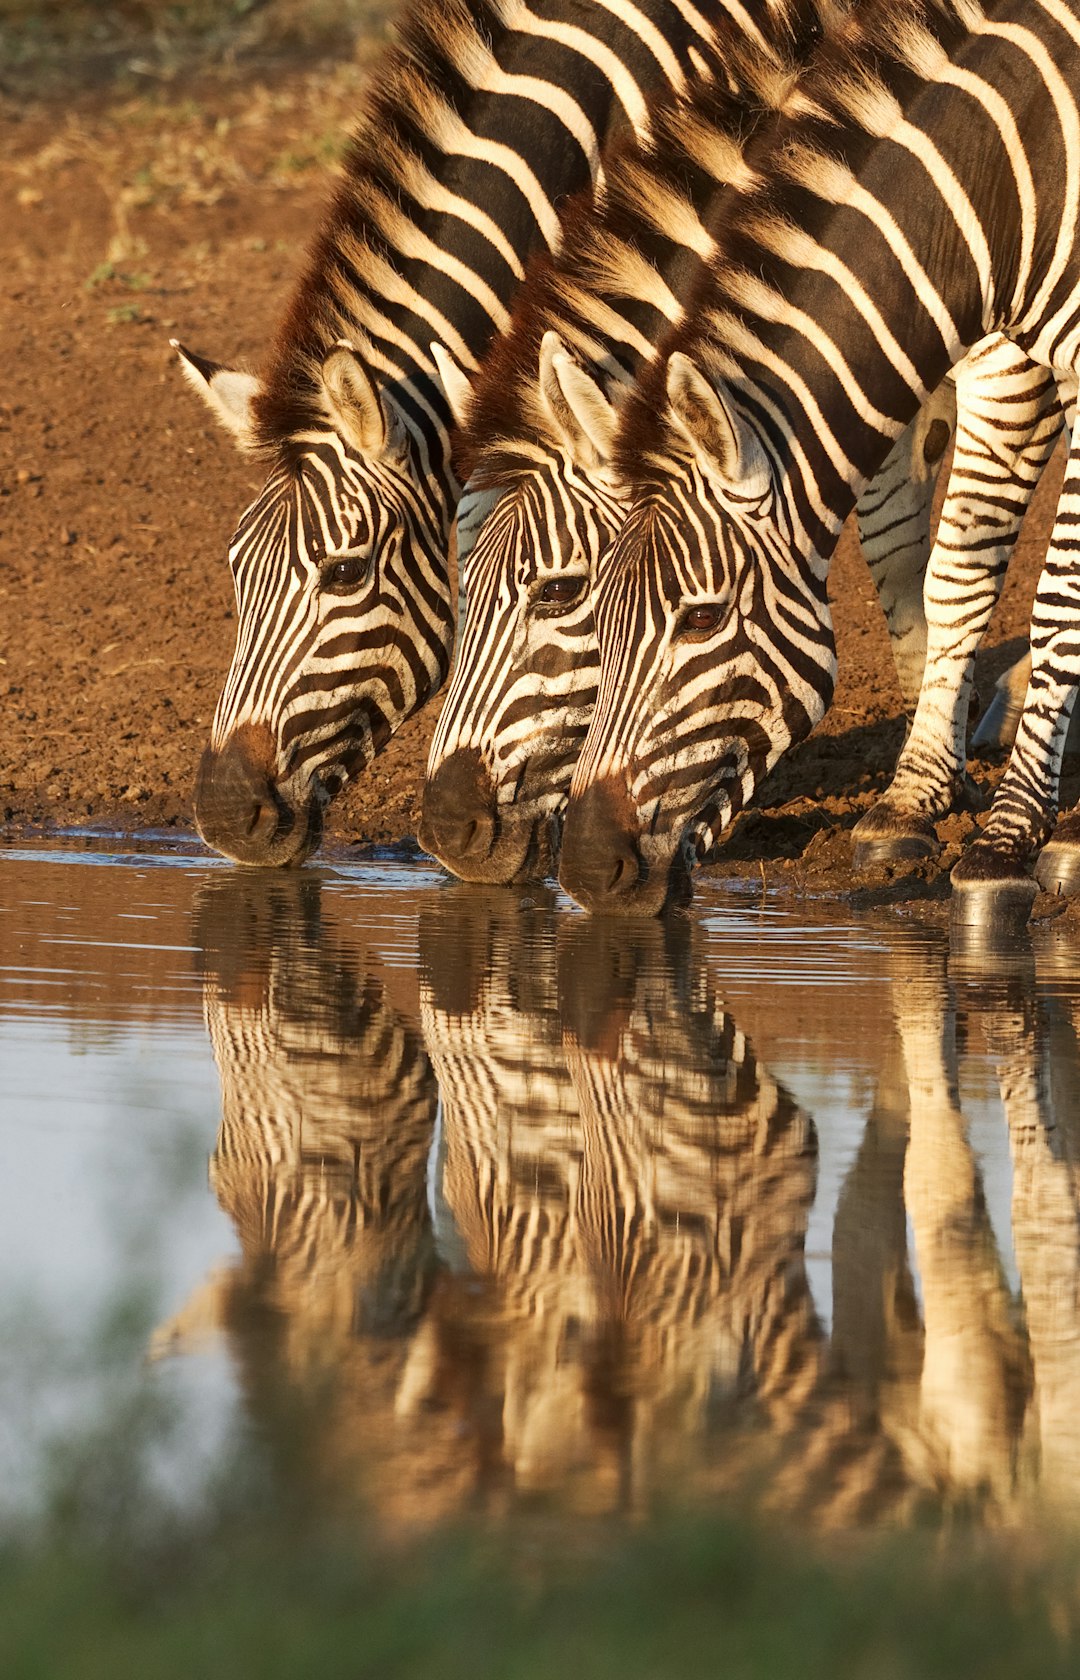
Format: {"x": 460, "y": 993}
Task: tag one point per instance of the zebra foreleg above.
{"x": 1009, "y": 421}
{"x": 991, "y": 883}
{"x": 894, "y": 515}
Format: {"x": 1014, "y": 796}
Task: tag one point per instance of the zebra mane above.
{"x": 860, "y": 78}
{"x": 603, "y": 260}
{"x": 412, "y": 100}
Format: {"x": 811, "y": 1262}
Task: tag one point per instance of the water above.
{"x": 457, "y": 1201}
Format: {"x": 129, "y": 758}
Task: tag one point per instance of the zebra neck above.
{"x": 482, "y": 120}
{"x": 631, "y": 251}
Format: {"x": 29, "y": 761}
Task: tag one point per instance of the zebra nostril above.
{"x": 265, "y": 821}
{"x": 459, "y": 821}
{"x": 624, "y": 872}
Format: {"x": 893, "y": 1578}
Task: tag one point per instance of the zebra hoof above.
{"x": 992, "y": 906}
{"x": 893, "y": 848}
{"x": 1058, "y": 869}
{"x": 887, "y": 836}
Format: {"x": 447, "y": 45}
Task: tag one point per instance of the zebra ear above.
{"x": 455, "y": 382}
{"x": 585, "y": 419}
{"x": 714, "y": 427}
{"x": 228, "y": 393}
{"x": 363, "y": 416}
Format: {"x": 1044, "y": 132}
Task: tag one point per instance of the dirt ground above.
{"x": 172, "y": 195}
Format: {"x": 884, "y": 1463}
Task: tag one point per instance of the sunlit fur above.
{"x": 477, "y": 124}
{"x": 525, "y": 670}
{"x": 845, "y": 289}
{"x": 524, "y": 678}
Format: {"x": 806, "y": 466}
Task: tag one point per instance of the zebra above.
{"x": 483, "y": 117}
{"x": 542, "y": 503}
{"x": 1013, "y": 414}
{"x": 748, "y": 438}
{"x": 328, "y": 1111}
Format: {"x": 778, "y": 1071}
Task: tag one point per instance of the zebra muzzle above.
{"x": 241, "y": 812}
{"x": 602, "y": 866}
{"x": 459, "y": 820}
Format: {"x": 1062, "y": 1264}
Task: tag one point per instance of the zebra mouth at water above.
{"x": 243, "y": 813}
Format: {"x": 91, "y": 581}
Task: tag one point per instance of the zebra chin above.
{"x": 241, "y": 812}
{"x": 476, "y": 839}
{"x": 603, "y": 865}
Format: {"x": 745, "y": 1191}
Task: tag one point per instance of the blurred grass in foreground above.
{"x": 270, "y": 1598}
{"x": 145, "y": 1549}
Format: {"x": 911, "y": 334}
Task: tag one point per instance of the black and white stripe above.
{"x": 478, "y": 124}
{"x": 920, "y": 210}
{"x": 328, "y": 1106}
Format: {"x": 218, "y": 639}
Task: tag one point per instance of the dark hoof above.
{"x": 877, "y": 849}
{"x": 992, "y": 906}
{"x": 969, "y": 795}
{"x": 1058, "y": 869}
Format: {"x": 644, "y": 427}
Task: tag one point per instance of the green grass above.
{"x": 113, "y": 1571}
{"x": 277, "y": 1599}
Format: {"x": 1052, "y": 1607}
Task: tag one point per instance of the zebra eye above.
{"x": 561, "y": 591}
{"x": 342, "y": 576}
{"x": 698, "y": 621}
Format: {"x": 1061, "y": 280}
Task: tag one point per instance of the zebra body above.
{"x": 895, "y": 227}
{"x": 542, "y": 503}
{"x": 478, "y": 123}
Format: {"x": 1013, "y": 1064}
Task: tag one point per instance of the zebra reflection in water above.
{"x": 635, "y": 1187}
{"x": 328, "y": 1108}
{"x": 581, "y": 1274}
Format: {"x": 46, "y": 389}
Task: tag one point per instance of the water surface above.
{"x": 459, "y": 1201}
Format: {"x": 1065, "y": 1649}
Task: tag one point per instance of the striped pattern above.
{"x": 634, "y": 1188}
{"x": 1011, "y": 421}
{"x": 328, "y": 1107}
{"x": 541, "y": 504}
{"x": 892, "y": 231}
{"x": 478, "y": 123}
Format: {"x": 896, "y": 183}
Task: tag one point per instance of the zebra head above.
{"x": 716, "y": 650}
{"x": 344, "y": 619}
{"x": 524, "y": 680}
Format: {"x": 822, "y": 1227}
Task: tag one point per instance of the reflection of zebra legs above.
{"x": 1010, "y": 420}
{"x": 1041, "y": 1112}
{"x": 877, "y": 1335}
{"x": 974, "y": 1365}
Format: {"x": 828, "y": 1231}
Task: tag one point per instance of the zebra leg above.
{"x": 1009, "y": 421}
{"x": 894, "y": 514}
{"x": 991, "y": 884}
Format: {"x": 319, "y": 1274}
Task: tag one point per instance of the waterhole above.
{"x": 453, "y": 1200}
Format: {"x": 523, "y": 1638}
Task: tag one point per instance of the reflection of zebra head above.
{"x": 633, "y": 1188}
{"x": 327, "y": 1114}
